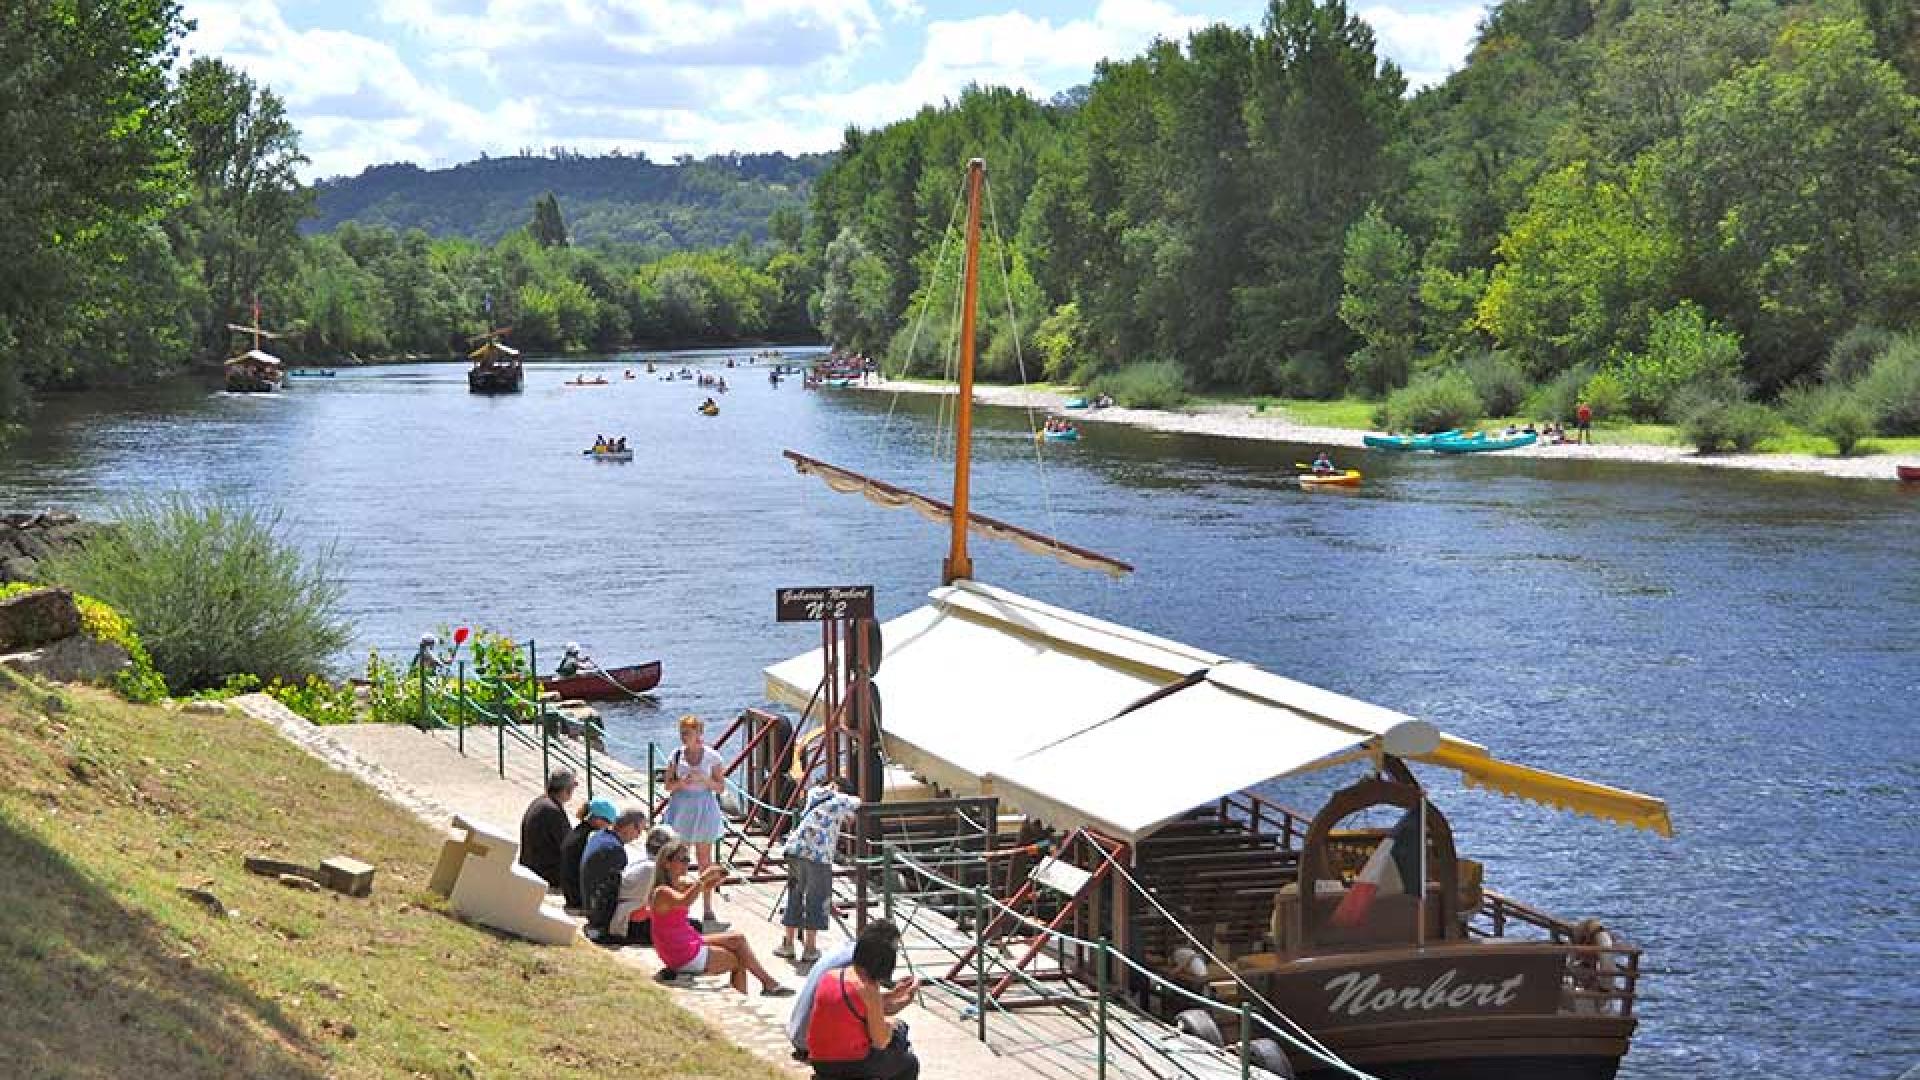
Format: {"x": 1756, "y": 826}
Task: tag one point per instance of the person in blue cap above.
{"x": 594, "y": 816}
{"x": 601, "y": 866}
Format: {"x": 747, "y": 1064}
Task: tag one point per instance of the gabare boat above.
{"x": 1362, "y": 927}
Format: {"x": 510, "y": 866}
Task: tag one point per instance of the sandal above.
{"x": 784, "y": 950}
{"x": 778, "y": 992}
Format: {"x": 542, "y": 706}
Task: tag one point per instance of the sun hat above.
{"x": 573, "y": 646}
{"x": 603, "y": 809}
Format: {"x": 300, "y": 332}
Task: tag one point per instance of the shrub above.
{"x": 1683, "y": 349}
{"x": 1556, "y": 398}
{"x": 318, "y": 700}
{"x": 1845, "y": 420}
{"x": 496, "y": 685}
{"x": 140, "y": 682}
{"x": 1891, "y": 388}
{"x": 1158, "y": 384}
{"x": 1434, "y": 403}
{"x": 1713, "y": 424}
{"x": 1498, "y": 379}
{"x": 1605, "y": 394}
{"x": 1853, "y": 353}
{"x": 213, "y": 589}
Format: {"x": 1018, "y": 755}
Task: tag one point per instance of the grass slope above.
{"x": 108, "y": 970}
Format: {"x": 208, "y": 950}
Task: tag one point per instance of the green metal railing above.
{"x": 511, "y": 706}
{"x": 1113, "y": 1015}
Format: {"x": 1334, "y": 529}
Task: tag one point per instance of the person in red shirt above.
{"x": 1583, "y": 421}
{"x": 847, "y": 1033}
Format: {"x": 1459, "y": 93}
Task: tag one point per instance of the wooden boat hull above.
{"x": 710, "y": 412}
{"x": 609, "y": 684}
{"x": 1909, "y": 474}
{"x": 245, "y": 384}
{"x": 497, "y": 380}
{"x": 1348, "y": 479}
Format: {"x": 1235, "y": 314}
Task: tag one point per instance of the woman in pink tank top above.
{"x": 683, "y": 949}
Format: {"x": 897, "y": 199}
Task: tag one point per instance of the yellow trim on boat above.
{"x": 1552, "y": 789}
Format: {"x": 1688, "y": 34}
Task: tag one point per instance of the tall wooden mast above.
{"x": 959, "y": 564}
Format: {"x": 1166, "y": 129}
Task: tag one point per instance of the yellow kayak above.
{"x": 1347, "y": 479}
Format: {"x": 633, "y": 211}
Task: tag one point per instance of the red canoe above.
{"x": 606, "y": 684}
{"x": 1909, "y": 474}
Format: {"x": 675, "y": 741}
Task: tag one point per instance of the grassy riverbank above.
{"x": 108, "y": 969}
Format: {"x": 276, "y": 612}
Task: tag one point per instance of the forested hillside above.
{"x": 1668, "y": 208}
{"x": 625, "y": 201}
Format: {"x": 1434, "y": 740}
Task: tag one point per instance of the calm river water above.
{"x": 1746, "y": 646}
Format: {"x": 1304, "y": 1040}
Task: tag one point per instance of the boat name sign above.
{"x": 1357, "y": 995}
{"x": 1414, "y": 989}
{"x": 817, "y": 603}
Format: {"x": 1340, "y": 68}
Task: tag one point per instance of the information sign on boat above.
{"x": 816, "y": 603}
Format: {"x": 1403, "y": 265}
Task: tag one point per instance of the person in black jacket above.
{"x": 594, "y": 816}
{"x": 600, "y": 870}
{"x": 544, "y": 828}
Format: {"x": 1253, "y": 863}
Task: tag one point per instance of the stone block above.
{"x": 74, "y": 659}
{"x": 345, "y": 875}
{"x": 37, "y": 617}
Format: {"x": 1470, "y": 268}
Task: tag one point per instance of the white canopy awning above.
{"x": 1073, "y": 720}
{"x": 1120, "y": 776}
{"x": 981, "y": 676}
{"x": 259, "y": 357}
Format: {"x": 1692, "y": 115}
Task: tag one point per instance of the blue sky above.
{"x": 438, "y": 82}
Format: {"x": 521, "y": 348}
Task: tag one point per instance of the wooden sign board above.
{"x": 1395, "y": 987}
{"x": 818, "y": 603}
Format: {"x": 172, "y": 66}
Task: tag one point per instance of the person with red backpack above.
{"x": 848, "y": 1035}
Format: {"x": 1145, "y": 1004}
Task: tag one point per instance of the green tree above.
{"x": 1582, "y": 269}
{"x": 549, "y": 229}
{"x": 87, "y": 284}
{"x": 1797, "y": 181}
{"x": 1323, "y": 110}
{"x": 240, "y": 153}
{"x": 854, "y": 296}
{"x": 1380, "y": 302}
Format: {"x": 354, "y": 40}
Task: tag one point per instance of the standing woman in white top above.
{"x": 695, "y": 778}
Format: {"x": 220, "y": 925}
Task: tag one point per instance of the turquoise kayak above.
{"x": 1481, "y": 444}
{"x": 1407, "y": 442}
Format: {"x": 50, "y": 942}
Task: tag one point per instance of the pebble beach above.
{"x": 1272, "y": 425}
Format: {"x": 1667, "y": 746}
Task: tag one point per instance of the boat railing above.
{"x": 1600, "y": 977}
{"x": 1259, "y": 814}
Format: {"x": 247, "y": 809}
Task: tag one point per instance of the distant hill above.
{"x": 606, "y": 200}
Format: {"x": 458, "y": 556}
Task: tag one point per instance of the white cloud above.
{"x": 456, "y": 78}
{"x": 1428, "y": 45}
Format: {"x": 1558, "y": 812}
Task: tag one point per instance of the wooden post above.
{"x": 959, "y": 564}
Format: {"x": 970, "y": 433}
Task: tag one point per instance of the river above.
{"x": 1745, "y": 646}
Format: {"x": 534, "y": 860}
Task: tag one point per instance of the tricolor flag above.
{"x": 1392, "y": 868}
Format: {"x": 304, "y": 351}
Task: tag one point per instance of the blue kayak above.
{"x": 1074, "y": 403}
{"x": 1480, "y": 444}
{"x": 1408, "y": 442}
{"x": 1069, "y": 435}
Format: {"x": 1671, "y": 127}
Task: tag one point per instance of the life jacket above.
{"x": 837, "y": 1029}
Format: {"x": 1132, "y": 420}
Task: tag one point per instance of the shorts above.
{"x": 695, "y": 966}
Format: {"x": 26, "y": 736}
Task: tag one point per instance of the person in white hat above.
{"x": 573, "y": 661}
